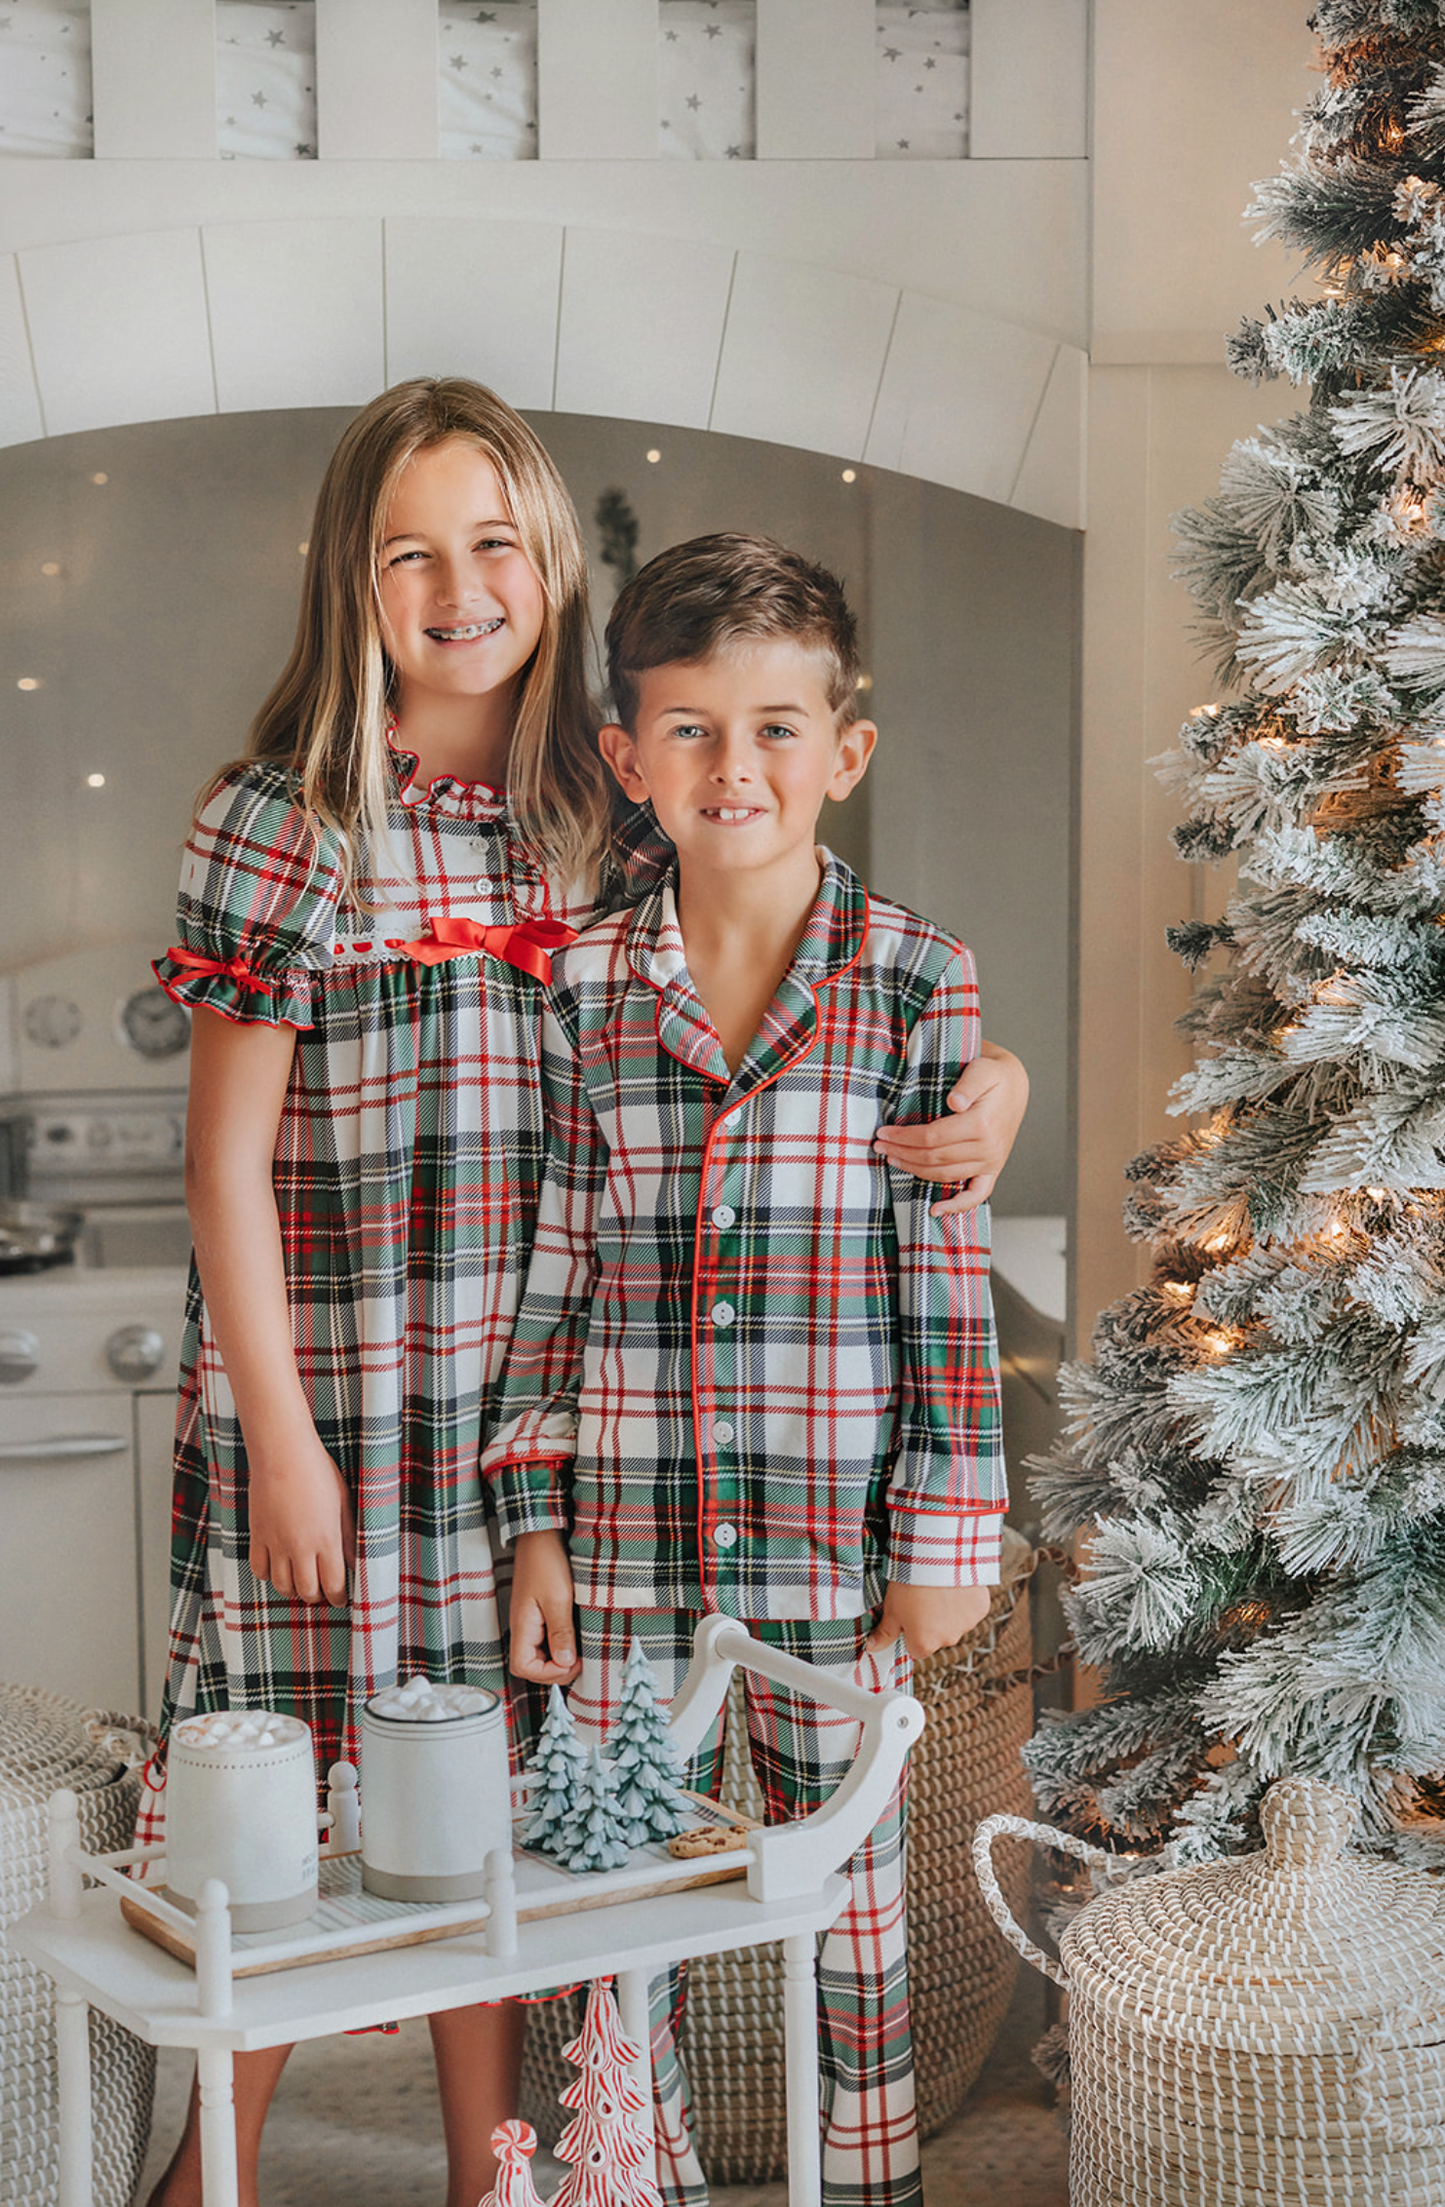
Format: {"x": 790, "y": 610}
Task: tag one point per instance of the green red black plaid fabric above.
{"x": 752, "y": 1371}
{"x": 801, "y": 1752}
{"x": 407, "y": 1166}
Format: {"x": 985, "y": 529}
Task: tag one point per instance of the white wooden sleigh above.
{"x": 524, "y": 1937}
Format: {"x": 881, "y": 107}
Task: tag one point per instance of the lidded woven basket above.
{"x": 47, "y": 1742}
{"x": 1271, "y": 2027}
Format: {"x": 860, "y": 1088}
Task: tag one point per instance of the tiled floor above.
{"x": 356, "y": 2124}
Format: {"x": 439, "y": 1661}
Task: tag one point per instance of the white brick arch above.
{"x": 234, "y": 316}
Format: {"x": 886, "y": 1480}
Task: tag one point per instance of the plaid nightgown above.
{"x": 407, "y": 1167}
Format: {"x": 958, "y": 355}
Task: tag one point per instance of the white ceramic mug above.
{"x": 435, "y": 1800}
{"x": 244, "y": 1813}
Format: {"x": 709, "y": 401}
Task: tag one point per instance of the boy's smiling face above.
{"x": 737, "y": 753}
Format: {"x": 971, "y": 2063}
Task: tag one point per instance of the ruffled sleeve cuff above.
{"x": 256, "y": 913}
{"x": 235, "y": 989}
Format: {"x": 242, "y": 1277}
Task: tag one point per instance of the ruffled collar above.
{"x": 444, "y": 793}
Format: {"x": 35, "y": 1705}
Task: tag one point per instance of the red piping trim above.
{"x": 951, "y": 1509}
{"x": 457, "y": 781}
{"x": 703, "y": 1521}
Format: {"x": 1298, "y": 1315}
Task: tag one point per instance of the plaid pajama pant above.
{"x": 800, "y": 1753}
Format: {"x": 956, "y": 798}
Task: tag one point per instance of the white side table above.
{"x": 791, "y": 1893}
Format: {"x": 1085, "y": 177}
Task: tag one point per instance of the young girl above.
{"x": 367, "y": 904}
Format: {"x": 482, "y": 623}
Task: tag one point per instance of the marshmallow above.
{"x": 420, "y": 1702}
{"x": 232, "y": 1728}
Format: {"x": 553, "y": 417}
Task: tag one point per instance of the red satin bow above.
{"x": 528, "y": 944}
{"x": 233, "y": 969}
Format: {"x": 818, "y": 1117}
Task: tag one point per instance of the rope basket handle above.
{"x": 1379, "y": 2110}
{"x": 1043, "y": 1835}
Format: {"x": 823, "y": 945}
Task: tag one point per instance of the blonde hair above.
{"x": 327, "y": 716}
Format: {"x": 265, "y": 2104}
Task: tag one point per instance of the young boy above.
{"x": 752, "y": 1371}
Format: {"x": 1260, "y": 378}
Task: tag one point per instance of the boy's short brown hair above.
{"x": 714, "y": 591}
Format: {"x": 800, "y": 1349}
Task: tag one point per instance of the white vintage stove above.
{"x": 93, "y": 1066}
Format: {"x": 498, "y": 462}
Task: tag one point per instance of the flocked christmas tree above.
{"x": 1257, "y": 1450}
{"x": 557, "y": 1766}
{"x": 646, "y": 1767}
{"x": 594, "y": 1836}
{"x": 609, "y": 2155}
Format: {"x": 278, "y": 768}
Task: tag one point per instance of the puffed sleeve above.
{"x": 256, "y": 911}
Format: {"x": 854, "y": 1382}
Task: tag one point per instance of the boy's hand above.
{"x": 971, "y": 1145}
{"x": 927, "y": 1618}
{"x": 543, "y": 1643}
{"x": 303, "y": 1529}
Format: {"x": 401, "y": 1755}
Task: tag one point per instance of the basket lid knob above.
{"x": 1306, "y": 1823}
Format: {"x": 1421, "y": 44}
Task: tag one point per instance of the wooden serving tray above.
{"x": 347, "y": 1921}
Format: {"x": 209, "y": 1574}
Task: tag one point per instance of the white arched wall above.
{"x": 323, "y": 311}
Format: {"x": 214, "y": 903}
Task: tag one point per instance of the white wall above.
{"x": 1193, "y": 101}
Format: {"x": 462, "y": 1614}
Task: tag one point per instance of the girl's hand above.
{"x": 303, "y": 1528}
{"x": 544, "y": 1645}
{"x": 927, "y": 1618}
{"x": 971, "y": 1145}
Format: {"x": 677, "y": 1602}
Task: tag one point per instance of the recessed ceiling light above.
{"x": 303, "y": 549}
{"x": 28, "y": 682}
{"x": 95, "y": 781}
{"x": 850, "y": 474}
{"x": 50, "y": 567}
{"x": 654, "y": 455}
{"x": 100, "y": 478}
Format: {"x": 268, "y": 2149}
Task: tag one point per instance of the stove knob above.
{"x": 19, "y": 1355}
{"x": 134, "y": 1352}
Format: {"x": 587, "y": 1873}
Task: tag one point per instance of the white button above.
{"x": 481, "y": 885}
{"x": 725, "y": 1536}
{"x": 723, "y": 1429}
{"x": 723, "y": 1215}
{"x": 723, "y": 1314}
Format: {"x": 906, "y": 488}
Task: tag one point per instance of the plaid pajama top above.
{"x": 751, "y": 1371}
{"x": 407, "y": 1166}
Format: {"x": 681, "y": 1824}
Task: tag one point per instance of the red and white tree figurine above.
{"x": 514, "y": 2144}
{"x": 610, "y": 2156}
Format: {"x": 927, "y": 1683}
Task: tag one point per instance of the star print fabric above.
{"x": 45, "y": 70}
{"x": 487, "y": 101}
{"x": 706, "y": 72}
{"x": 921, "y": 96}
{"x": 266, "y": 80}
{"x": 487, "y": 97}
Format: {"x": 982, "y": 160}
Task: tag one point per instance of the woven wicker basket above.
{"x": 44, "y": 1743}
{"x": 961, "y": 1974}
{"x": 1268, "y": 2028}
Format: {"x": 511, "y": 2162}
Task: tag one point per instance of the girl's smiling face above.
{"x": 462, "y": 606}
